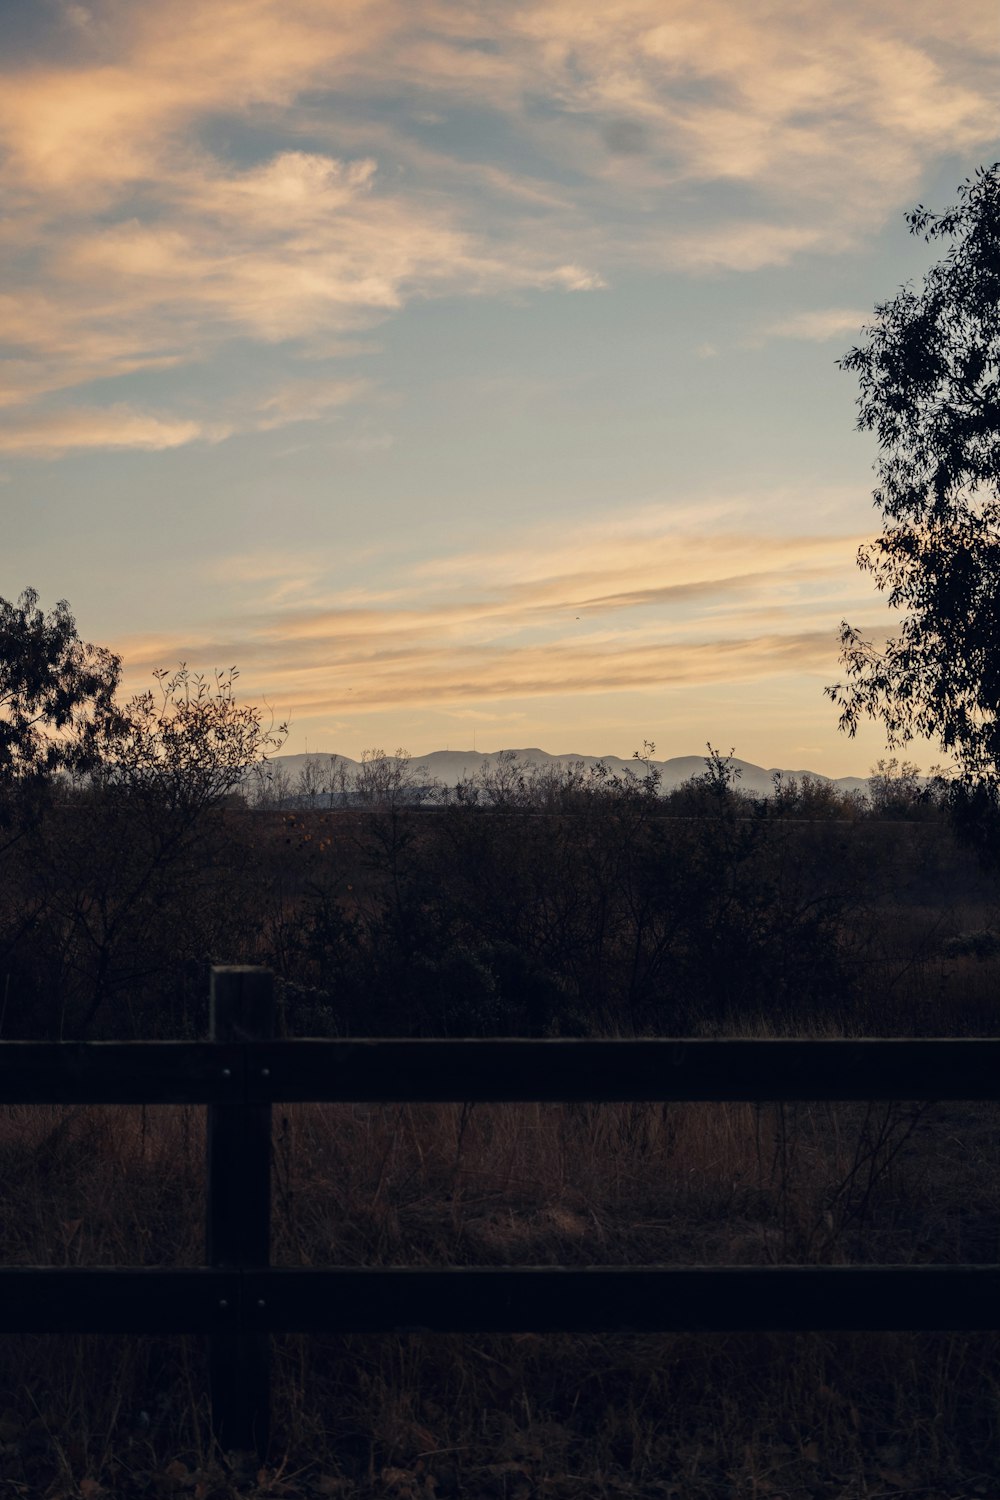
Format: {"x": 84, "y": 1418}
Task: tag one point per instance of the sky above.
{"x": 465, "y": 372}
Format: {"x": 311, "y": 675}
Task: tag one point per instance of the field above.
{"x": 593, "y": 919}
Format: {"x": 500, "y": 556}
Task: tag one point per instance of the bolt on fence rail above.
{"x": 238, "y": 1300}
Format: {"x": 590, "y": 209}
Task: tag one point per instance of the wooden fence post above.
{"x": 238, "y": 1221}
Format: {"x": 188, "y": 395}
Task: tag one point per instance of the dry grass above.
{"x": 754, "y": 1415}
{"x": 523, "y": 1417}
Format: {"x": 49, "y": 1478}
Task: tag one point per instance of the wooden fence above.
{"x": 238, "y": 1301}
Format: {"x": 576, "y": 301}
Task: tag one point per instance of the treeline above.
{"x": 583, "y": 903}
{"x": 563, "y": 901}
{"x": 322, "y": 782}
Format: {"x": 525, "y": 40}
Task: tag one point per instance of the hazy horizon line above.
{"x": 415, "y": 758}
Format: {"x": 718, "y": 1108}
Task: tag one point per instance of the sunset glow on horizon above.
{"x": 459, "y": 369}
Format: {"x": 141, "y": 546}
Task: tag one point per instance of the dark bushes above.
{"x": 587, "y": 904}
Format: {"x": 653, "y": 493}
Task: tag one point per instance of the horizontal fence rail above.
{"x": 239, "y": 1301}
{"x": 528, "y": 1299}
{"x": 419, "y": 1071}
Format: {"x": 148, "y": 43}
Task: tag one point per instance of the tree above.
{"x": 929, "y": 377}
{"x": 56, "y": 691}
{"x": 186, "y": 747}
{"x": 116, "y": 890}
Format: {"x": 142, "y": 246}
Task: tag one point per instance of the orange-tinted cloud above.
{"x": 132, "y": 239}
{"x": 820, "y": 323}
{"x": 49, "y": 434}
{"x": 646, "y": 608}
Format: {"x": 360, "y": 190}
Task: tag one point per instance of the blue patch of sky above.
{"x": 245, "y": 143}
{"x": 582, "y": 396}
{"x": 142, "y": 202}
{"x": 590, "y": 396}
{"x": 466, "y": 133}
{"x": 39, "y": 30}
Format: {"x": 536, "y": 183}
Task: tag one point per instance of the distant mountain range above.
{"x": 449, "y": 767}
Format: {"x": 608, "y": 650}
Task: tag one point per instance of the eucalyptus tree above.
{"x": 929, "y": 376}
{"x": 56, "y": 691}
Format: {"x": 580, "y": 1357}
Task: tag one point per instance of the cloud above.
{"x": 53, "y": 433}
{"x": 419, "y": 676}
{"x": 820, "y": 323}
{"x": 276, "y": 578}
{"x": 553, "y": 616}
{"x": 307, "y": 401}
{"x": 143, "y": 231}
{"x": 295, "y": 247}
{"x": 625, "y": 137}
{"x": 484, "y": 716}
{"x": 743, "y": 246}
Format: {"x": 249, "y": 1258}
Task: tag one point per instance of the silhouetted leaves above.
{"x": 56, "y": 692}
{"x": 929, "y": 376}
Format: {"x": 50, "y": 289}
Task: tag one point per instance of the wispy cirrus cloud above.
{"x": 820, "y": 323}
{"x": 333, "y": 678}
{"x": 554, "y": 615}
{"x": 50, "y": 434}
{"x": 54, "y": 431}
{"x": 307, "y": 401}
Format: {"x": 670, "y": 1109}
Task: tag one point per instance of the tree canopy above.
{"x": 186, "y": 747}
{"x": 56, "y": 691}
{"x": 929, "y": 378}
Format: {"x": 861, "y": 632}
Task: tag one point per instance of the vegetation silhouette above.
{"x": 929, "y": 377}
{"x": 56, "y": 691}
